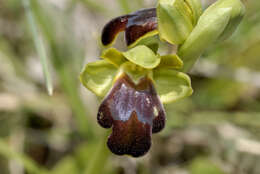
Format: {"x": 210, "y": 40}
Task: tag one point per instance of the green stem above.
{"x": 38, "y": 42}
{"x": 62, "y": 61}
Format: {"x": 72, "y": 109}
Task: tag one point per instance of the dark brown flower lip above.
{"x": 131, "y": 137}
{"x": 134, "y": 112}
{"x": 135, "y": 26}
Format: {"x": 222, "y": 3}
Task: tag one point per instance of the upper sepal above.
{"x": 171, "y": 85}
{"x": 98, "y": 77}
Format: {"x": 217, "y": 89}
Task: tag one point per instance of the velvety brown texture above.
{"x": 135, "y": 25}
{"x": 142, "y": 22}
{"x": 130, "y": 137}
{"x": 112, "y": 28}
{"x": 134, "y": 111}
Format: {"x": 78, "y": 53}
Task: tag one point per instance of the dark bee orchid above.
{"x": 136, "y": 83}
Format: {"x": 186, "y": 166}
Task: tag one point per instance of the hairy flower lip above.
{"x": 134, "y": 112}
{"x": 135, "y": 25}
{"x": 136, "y": 143}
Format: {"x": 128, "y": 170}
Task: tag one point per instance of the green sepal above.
{"x": 171, "y": 85}
{"x": 196, "y": 9}
{"x": 134, "y": 71}
{"x": 98, "y": 77}
{"x": 113, "y": 56}
{"x": 171, "y": 61}
{"x": 150, "y": 39}
{"x": 210, "y": 26}
{"x": 143, "y": 56}
{"x": 174, "y": 21}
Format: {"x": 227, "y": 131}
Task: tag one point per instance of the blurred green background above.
{"x": 215, "y": 131}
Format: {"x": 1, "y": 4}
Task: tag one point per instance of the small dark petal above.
{"x": 135, "y": 24}
{"x": 131, "y": 137}
{"x": 140, "y": 23}
{"x": 111, "y": 29}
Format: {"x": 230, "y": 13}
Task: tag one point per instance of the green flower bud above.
{"x": 196, "y": 10}
{"x": 217, "y": 22}
{"x": 175, "y": 21}
{"x": 237, "y": 14}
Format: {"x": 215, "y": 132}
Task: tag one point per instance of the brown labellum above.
{"x": 135, "y": 26}
{"x": 134, "y": 112}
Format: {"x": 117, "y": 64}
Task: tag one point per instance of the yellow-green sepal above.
{"x": 113, "y": 56}
{"x": 174, "y": 21}
{"x": 98, "y": 77}
{"x": 208, "y": 29}
{"x": 171, "y": 85}
{"x": 196, "y": 9}
{"x": 149, "y": 39}
{"x": 171, "y": 61}
{"x": 143, "y": 56}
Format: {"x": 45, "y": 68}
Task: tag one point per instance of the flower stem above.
{"x": 38, "y": 42}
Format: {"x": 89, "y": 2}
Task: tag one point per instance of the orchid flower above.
{"x": 135, "y": 84}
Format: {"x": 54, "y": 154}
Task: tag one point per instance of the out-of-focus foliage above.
{"x": 216, "y": 130}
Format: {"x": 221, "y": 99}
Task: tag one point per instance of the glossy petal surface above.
{"x": 140, "y": 23}
{"x": 171, "y": 85}
{"x": 112, "y": 28}
{"x": 134, "y": 112}
{"x": 135, "y": 25}
{"x": 98, "y": 77}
